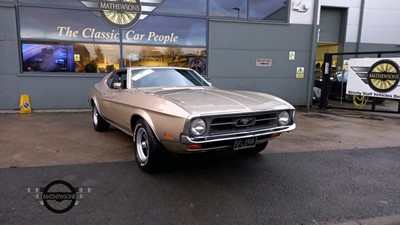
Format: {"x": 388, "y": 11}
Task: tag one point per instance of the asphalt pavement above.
{"x": 336, "y": 167}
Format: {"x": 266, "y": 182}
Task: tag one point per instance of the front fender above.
{"x": 166, "y": 127}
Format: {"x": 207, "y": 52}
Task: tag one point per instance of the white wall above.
{"x": 381, "y": 24}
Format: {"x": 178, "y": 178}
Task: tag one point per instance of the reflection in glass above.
{"x": 84, "y": 26}
{"x": 170, "y": 77}
{"x": 167, "y": 30}
{"x": 275, "y": 10}
{"x": 51, "y": 3}
{"x": 64, "y": 25}
{"x": 183, "y": 7}
{"x": 69, "y": 57}
{"x": 268, "y": 10}
{"x": 229, "y": 8}
{"x": 194, "y": 58}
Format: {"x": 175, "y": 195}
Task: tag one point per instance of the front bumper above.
{"x": 221, "y": 142}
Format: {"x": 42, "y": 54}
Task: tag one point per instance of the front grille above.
{"x": 243, "y": 123}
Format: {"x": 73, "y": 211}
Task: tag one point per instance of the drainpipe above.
{"x": 313, "y": 53}
{"x": 360, "y": 25}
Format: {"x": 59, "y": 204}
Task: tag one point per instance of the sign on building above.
{"x": 374, "y": 77}
{"x": 264, "y": 62}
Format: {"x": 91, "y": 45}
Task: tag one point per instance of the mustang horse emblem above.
{"x": 246, "y": 122}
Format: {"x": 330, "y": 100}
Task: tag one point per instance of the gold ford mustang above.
{"x": 177, "y": 110}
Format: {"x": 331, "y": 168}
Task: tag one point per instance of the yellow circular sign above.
{"x": 384, "y": 75}
{"x": 120, "y": 13}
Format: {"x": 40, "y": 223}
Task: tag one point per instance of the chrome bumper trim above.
{"x": 188, "y": 140}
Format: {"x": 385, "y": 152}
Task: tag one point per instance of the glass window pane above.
{"x": 69, "y": 57}
{"x": 157, "y": 30}
{"x": 228, "y": 8}
{"x": 268, "y": 10}
{"x": 52, "y": 3}
{"x": 183, "y": 7}
{"x": 194, "y": 58}
{"x": 65, "y": 25}
{"x": 85, "y": 26}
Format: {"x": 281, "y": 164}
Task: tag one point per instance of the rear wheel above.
{"x": 149, "y": 151}
{"x": 99, "y": 123}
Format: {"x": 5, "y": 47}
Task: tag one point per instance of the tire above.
{"x": 258, "y": 148}
{"x": 149, "y": 151}
{"x": 99, "y": 123}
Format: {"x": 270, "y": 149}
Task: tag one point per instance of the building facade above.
{"x": 54, "y": 51}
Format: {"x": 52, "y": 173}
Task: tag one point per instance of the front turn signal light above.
{"x": 194, "y": 146}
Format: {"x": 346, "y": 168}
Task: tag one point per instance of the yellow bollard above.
{"x": 25, "y": 104}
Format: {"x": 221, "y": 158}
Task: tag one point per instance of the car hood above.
{"x": 210, "y": 100}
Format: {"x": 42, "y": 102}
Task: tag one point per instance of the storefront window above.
{"x": 84, "y": 26}
{"x": 194, "y": 58}
{"x": 75, "y": 36}
{"x": 64, "y": 25}
{"x": 77, "y": 41}
{"x": 69, "y": 57}
{"x": 167, "y": 31}
{"x": 175, "y": 7}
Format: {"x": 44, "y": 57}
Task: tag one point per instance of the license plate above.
{"x": 244, "y": 143}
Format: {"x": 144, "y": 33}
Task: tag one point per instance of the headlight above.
{"x": 283, "y": 118}
{"x": 197, "y": 127}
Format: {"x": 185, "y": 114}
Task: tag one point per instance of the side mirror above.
{"x": 117, "y": 85}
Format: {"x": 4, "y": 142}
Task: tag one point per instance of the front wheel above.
{"x": 99, "y": 123}
{"x": 149, "y": 151}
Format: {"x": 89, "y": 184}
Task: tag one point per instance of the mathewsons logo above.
{"x": 120, "y": 13}
{"x": 374, "y": 77}
{"x": 384, "y": 75}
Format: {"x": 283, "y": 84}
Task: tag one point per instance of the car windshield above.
{"x": 166, "y": 77}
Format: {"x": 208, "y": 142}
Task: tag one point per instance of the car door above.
{"x": 111, "y": 100}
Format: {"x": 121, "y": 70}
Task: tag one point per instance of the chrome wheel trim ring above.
{"x": 142, "y": 146}
{"x": 95, "y": 116}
